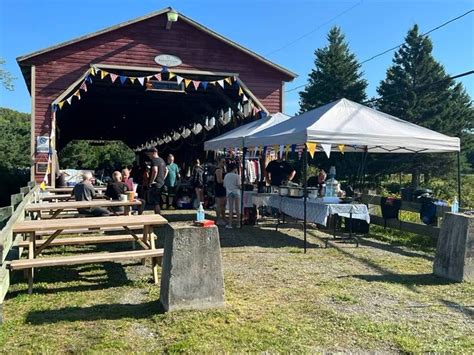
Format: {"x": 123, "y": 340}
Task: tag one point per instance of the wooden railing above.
{"x": 418, "y": 228}
{"x": 8, "y": 216}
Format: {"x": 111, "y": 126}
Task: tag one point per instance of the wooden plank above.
{"x": 16, "y": 199}
{"x": 65, "y": 197}
{"x": 84, "y": 259}
{"x": 103, "y": 239}
{"x": 416, "y": 228}
{"x": 91, "y": 222}
{"x": 31, "y": 184}
{"x": 5, "y": 213}
{"x": 25, "y": 190}
{"x": 59, "y": 190}
{"x": 89, "y": 231}
{"x": 74, "y": 205}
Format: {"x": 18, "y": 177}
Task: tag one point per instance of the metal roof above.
{"x": 153, "y": 14}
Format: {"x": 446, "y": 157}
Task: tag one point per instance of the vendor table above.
{"x": 316, "y": 211}
{"x": 30, "y": 228}
{"x": 57, "y": 207}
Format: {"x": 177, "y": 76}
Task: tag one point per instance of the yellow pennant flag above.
{"x": 61, "y": 104}
{"x": 132, "y": 79}
{"x": 187, "y": 82}
{"x": 171, "y": 75}
{"x": 43, "y": 186}
{"x": 311, "y": 148}
{"x": 341, "y": 148}
{"x": 228, "y": 80}
{"x": 212, "y": 83}
{"x": 287, "y": 148}
{"x": 78, "y": 94}
{"x": 92, "y": 71}
{"x": 241, "y": 92}
{"x": 103, "y": 74}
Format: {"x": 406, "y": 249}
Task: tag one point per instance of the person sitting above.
{"x": 84, "y": 191}
{"x": 116, "y": 189}
{"x": 127, "y": 180}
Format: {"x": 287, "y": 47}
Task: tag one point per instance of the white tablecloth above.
{"x": 259, "y": 200}
{"x": 316, "y": 212}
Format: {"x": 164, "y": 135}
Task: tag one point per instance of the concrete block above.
{"x": 454, "y": 258}
{"x": 191, "y": 276}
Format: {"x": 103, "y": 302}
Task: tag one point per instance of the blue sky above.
{"x": 371, "y": 26}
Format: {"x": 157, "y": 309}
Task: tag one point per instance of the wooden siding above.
{"x": 137, "y": 45}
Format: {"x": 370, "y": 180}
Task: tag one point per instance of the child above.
{"x": 232, "y": 187}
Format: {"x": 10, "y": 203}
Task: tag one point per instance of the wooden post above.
{"x": 31, "y": 255}
{"x": 32, "y": 122}
{"x": 154, "y": 260}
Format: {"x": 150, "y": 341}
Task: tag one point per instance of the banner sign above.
{"x": 168, "y": 60}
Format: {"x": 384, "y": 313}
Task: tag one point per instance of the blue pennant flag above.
{"x": 123, "y": 79}
{"x": 55, "y": 108}
{"x": 164, "y": 70}
{"x": 264, "y": 150}
{"x": 293, "y": 148}
{"x": 263, "y": 114}
{"x": 204, "y": 84}
{"x": 89, "y": 79}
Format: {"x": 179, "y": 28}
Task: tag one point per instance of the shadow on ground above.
{"x": 97, "y": 312}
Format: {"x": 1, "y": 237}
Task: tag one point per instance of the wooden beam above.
{"x": 416, "y": 228}
{"x": 84, "y": 259}
{"x": 32, "y": 123}
{"x": 102, "y": 239}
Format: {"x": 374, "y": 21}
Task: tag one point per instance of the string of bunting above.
{"x": 95, "y": 72}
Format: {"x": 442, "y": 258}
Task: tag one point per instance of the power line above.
{"x": 470, "y": 72}
{"x": 317, "y": 28}
{"x": 393, "y": 48}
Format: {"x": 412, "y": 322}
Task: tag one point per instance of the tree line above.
{"x": 416, "y": 89}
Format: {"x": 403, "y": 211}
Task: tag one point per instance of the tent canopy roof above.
{"x": 236, "y": 137}
{"x": 358, "y": 127}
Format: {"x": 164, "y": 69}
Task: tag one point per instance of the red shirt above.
{"x": 129, "y": 184}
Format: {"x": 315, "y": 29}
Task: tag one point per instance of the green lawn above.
{"x": 375, "y": 297}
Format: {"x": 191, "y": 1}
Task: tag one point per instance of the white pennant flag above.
{"x": 69, "y": 100}
{"x": 179, "y": 79}
{"x": 221, "y": 83}
{"x": 327, "y": 149}
{"x": 141, "y": 80}
{"x": 244, "y": 98}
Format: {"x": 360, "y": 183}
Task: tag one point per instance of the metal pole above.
{"x": 459, "y": 178}
{"x": 244, "y": 151}
{"x": 305, "y": 191}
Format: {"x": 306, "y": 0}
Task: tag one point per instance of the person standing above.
{"x": 220, "y": 192}
{"x": 197, "y": 180}
{"x": 279, "y": 171}
{"x": 232, "y": 186}
{"x": 84, "y": 191}
{"x": 156, "y": 182}
{"x": 171, "y": 181}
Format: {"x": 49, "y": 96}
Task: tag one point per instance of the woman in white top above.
{"x": 232, "y": 187}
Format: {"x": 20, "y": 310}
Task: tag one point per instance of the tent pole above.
{"x": 305, "y": 190}
{"x": 244, "y": 151}
{"x": 459, "y": 178}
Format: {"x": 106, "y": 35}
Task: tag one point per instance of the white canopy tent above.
{"x": 236, "y": 137}
{"x": 358, "y": 127}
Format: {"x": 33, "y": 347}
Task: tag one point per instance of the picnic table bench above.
{"x": 30, "y": 228}
{"x": 57, "y": 207}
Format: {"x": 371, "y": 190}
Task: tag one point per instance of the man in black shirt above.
{"x": 279, "y": 171}
{"x": 157, "y": 178}
{"x": 115, "y": 189}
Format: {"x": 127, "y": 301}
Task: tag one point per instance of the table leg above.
{"x": 31, "y": 255}
{"x": 145, "y": 238}
{"x": 154, "y": 260}
{"x": 126, "y": 210}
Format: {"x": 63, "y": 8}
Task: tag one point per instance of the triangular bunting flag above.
{"x": 282, "y": 150}
{"x": 244, "y": 98}
{"x": 196, "y": 84}
{"x": 179, "y": 79}
{"x": 311, "y": 148}
{"x": 164, "y": 70}
{"x": 264, "y": 150}
{"x": 89, "y": 79}
{"x": 141, "y": 80}
{"x": 83, "y": 86}
{"x": 212, "y": 83}
{"x": 103, "y": 74}
{"x": 78, "y": 94}
{"x": 123, "y": 79}
{"x": 341, "y": 148}
{"x": 61, "y": 104}
{"x": 293, "y": 148}
{"x": 171, "y": 75}
{"x": 204, "y": 84}
{"x": 43, "y": 186}
{"x": 241, "y": 92}
{"x": 327, "y": 149}
{"x": 54, "y": 107}
{"x": 187, "y": 82}
{"x": 113, "y": 77}
{"x": 158, "y": 76}
{"x": 228, "y": 80}
{"x": 92, "y": 70}
{"x": 221, "y": 83}
{"x": 132, "y": 79}
{"x": 69, "y": 100}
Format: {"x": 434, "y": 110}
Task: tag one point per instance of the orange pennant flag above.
{"x": 241, "y": 92}
{"x": 311, "y": 148}
{"x": 341, "y": 148}
{"x": 228, "y": 80}
{"x": 187, "y": 82}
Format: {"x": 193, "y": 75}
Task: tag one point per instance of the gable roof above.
{"x": 154, "y": 14}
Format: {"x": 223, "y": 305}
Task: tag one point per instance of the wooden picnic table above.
{"x": 57, "y": 207}
{"x": 69, "y": 189}
{"x": 29, "y": 228}
{"x": 65, "y": 197}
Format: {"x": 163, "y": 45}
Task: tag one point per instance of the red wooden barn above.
{"x": 160, "y": 79}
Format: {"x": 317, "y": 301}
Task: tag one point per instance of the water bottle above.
{"x": 200, "y": 213}
{"x": 455, "y": 206}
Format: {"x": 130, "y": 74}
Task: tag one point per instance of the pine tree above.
{"x": 417, "y": 89}
{"x": 336, "y": 75}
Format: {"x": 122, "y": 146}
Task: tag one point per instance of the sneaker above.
{"x": 228, "y": 226}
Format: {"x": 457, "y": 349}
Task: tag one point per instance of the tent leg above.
{"x": 459, "y": 178}
{"x": 305, "y": 191}
{"x": 244, "y": 152}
